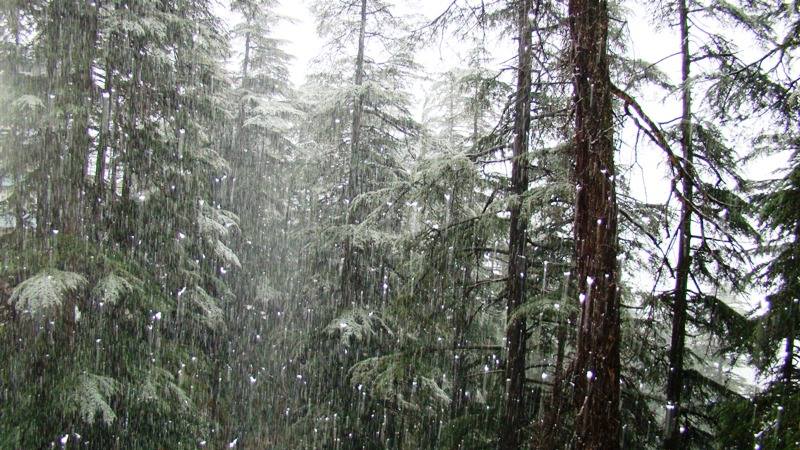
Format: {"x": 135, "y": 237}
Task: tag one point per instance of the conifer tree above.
{"x": 712, "y": 227}
{"x": 597, "y": 364}
{"x": 122, "y": 93}
{"x": 191, "y": 256}
{"x": 357, "y": 127}
{"x": 514, "y": 411}
{"x": 765, "y": 87}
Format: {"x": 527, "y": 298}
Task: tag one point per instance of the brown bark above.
{"x": 597, "y": 364}
{"x": 514, "y": 407}
{"x": 672, "y": 438}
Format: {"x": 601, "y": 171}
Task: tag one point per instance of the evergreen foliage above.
{"x": 196, "y": 252}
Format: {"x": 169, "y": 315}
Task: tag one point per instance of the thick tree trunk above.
{"x": 514, "y": 407}
{"x": 597, "y": 364}
{"x": 672, "y": 437}
{"x": 355, "y": 183}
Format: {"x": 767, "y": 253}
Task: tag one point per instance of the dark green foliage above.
{"x": 191, "y": 257}
{"x": 776, "y": 414}
{"x": 117, "y": 258}
{"x": 104, "y": 363}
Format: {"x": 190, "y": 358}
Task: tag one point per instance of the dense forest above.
{"x": 197, "y": 251}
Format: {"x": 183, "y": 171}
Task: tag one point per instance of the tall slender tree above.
{"x": 514, "y": 415}
{"x": 672, "y": 439}
{"x": 355, "y": 173}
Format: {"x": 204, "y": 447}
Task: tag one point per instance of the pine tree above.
{"x": 124, "y": 92}
{"x": 357, "y": 125}
{"x": 194, "y": 257}
{"x": 765, "y": 86}
{"x": 711, "y": 226}
{"x": 257, "y": 187}
{"x": 450, "y": 326}
{"x": 514, "y": 411}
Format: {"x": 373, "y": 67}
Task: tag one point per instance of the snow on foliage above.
{"x": 215, "y": 225}
{"x": 225, "y": 254}
{"x": 383, "y": 374}
{"x": 211, "y": 314}
{"x": 356, "y": 325}
{"x": 111, "y": 288}
{"x": 28, "y": 101}
{"x": 46, "y": 291}
{"x": 90, "y": 397}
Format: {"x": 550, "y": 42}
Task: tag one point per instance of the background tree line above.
{"x": 195, "y": 252}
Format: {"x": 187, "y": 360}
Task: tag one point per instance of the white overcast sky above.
{"x": 646, "y": 42}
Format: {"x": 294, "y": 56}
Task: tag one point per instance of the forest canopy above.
{"x": 467, "y": 224}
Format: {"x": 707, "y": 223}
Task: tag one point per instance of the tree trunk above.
{"x": 18, "y": 202}
{"x": 672, "y": 437}
{"x": 355, "y": 171}
{"x": 787, "y": 371}
{"x": 77, "y": 71}
{"x": 514, "y": 407}
{"x": 597, "y": 364}
{"x": 551, "y": 433}
{"x": 236, "y": 157}
{"x": 98, "y": 205}
{"x": 460, "y": 320}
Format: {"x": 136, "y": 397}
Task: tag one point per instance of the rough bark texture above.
{"x": 354, "y": 177}
{"x": 597, "y": 365}
{"x": 672, "y": 437}
{"x": 514, "y": 409}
